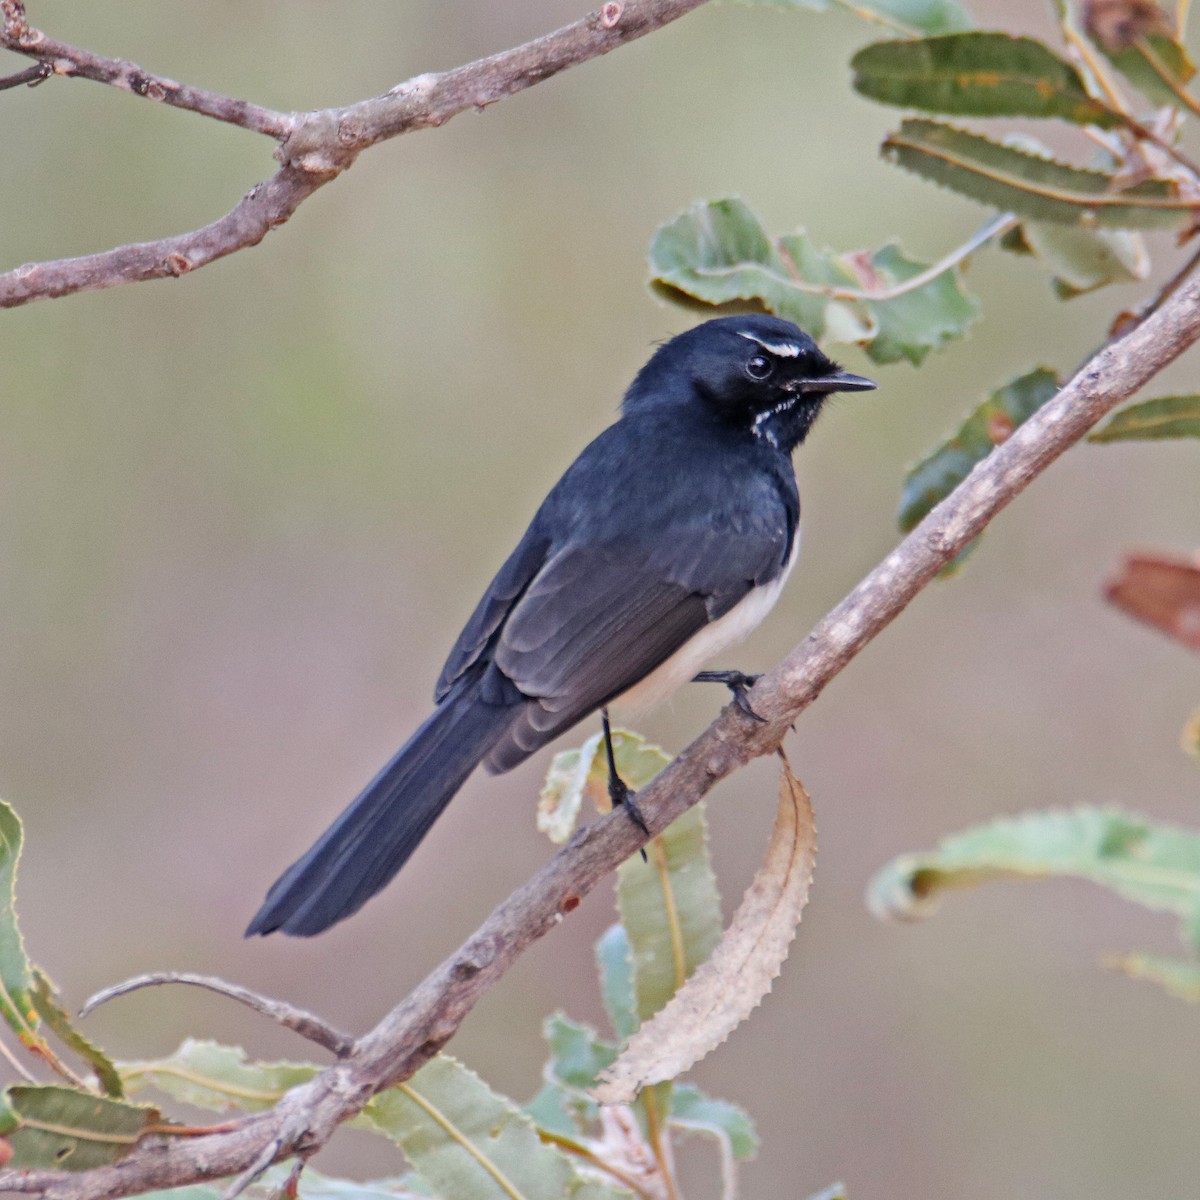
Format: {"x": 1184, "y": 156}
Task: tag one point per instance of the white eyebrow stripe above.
{"x": 780, "y": 349}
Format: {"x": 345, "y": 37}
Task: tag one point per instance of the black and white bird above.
{"x": 665, "y": 542}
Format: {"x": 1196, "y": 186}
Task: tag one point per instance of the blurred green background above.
{"x": 244, "y": 515}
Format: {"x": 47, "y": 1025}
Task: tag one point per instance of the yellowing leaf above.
{"x": 732, "y": 983}
{"x": 978, "y": 75}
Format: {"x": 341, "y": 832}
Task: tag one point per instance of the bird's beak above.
{"x": 838, "y": 381}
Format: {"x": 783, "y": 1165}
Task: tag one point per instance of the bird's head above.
{"x": 759, "y": 374}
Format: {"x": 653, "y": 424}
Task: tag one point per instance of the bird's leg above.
{"x": 619, "y": 792}
{"x": 738, "y": 683}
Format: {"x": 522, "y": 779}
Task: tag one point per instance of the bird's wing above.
{"x": 504, "y": 591}
{"x": 598, "y": 619}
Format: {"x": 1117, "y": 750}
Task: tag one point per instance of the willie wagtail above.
{"x": 667, "y": 540}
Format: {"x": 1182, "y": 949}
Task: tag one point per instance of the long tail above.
{"x": 365, "y": 847}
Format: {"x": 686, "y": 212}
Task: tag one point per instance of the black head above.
{"x": 761, "y": 375}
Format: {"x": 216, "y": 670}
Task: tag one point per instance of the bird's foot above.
{"x": 738, "y": 683}
{"x": 619, "y": 792}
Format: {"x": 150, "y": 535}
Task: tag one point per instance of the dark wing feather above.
{"x": 511, "y": 581}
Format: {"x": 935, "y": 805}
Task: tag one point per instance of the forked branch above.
{"x": 416, "y": 1029}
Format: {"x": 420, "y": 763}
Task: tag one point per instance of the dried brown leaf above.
{"x": 1161, "y": 591}
{"x": 724, "y": 990}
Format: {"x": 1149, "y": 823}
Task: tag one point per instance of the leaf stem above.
{"x": 570, "y": 1146}
{"x": 996, "y": 227}
{"x": 14, "y": 1062}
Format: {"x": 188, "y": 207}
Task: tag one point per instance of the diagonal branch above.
{"x": 315, "y": 147}
{"x": 416, "y": 1029}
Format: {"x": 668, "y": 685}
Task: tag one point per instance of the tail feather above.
{"x": 365, "y": 847}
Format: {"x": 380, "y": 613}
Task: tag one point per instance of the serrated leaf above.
{"x": 910, "y": 325}
{"x": 614, "y": 961}
{"x": 1151, "y": 864}
{"x": 1179, "y": 978}
{"x": 1043, "y": 189}
{"x": 577, "y": 1055}
{"x": 1163, "y": 417}
{"x": 718, "y": 253}
{"x": 726, "y": 988}
{"x": 469, "y": 1142}
{"x": 978, "y": 75}
{"x": 16, "y": 978}
{"x": 577, "y": 1052}
{"x": 692, "y": 1108}
{"x": 993, "y": 422}
{"x": 70, "y": 1130}
{"x": 1162, "y": 592}
{"x": 917, "y": 16}
{"x": 50, "y": 1008}
{"x": 210, "y": 1075}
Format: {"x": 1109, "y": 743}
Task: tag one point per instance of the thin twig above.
{"x": 306, "y": 1024}
{"x": 59, "y": 58}
{"x": 254, "y": 1171}
{"x": 31, "y": 76}
{"x": 317, "y": 146}
{"x": 413, "y": 1032}
{"x": 14, "y": 1062}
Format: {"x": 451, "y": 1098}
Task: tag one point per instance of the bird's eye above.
{"x": 759, "y": 367}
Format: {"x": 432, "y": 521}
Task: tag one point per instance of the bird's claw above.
{"x": 739, "y": 684}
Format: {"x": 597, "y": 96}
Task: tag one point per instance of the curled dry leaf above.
{"x": 1161, "y": 591}
{"x": 732, "y": 983}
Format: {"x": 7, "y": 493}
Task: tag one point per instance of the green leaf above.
{"x": 577, "y": 1055}
{"x": 912, "y": 324}
{"x": 1031, "y": 185}
{"x": 916, "y": 16}
{"x": 614, "y": 960}
{"x": 993, "y": 422}
{"x": 1082, "y": 260}
{"x": 573, "y": 774}
{"x": 836, "y": 1191}
{"x": 16, "y": 977}
{"x": 669, "y": 906}
{"x": 469, "y": 1142}
{"x": 49, "y": 1007}
{"x": 1138, "y": 66}
{"x": 1164, "y": 417}
{"x": 1156, "y": 866}
{"x": 691, "y": 1108}
{"x": 978, "y": 75}
{"x": 71, "y": 1130}
{"x": 216, "y": 1077}
{"x": 1179, "y": 978}
{"x": 718, "y": 253}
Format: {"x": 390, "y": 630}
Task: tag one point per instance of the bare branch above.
{"x": 299, "y": 1020}
{"x": 306, "y": 1117}
{"x": 315, "y": 146}
{"x": 62, "y": 59}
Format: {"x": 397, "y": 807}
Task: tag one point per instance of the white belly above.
{"x": 708, "y": 644}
